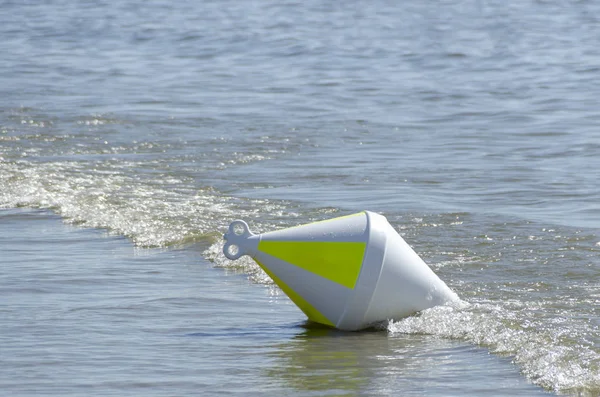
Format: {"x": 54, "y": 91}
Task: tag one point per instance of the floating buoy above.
{"x": 348, "y": 272}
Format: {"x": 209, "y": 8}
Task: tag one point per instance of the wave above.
{"x": 554, "y": 349}
{"x": 555, "y": 358}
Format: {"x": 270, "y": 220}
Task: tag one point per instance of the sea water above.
{"x": 132, "y": 133}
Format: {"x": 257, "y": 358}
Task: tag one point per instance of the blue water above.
{"x": 146, "y": 127}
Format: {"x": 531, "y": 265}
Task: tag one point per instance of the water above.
{"x": 146, "y": 127}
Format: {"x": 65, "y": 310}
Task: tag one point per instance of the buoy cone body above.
{"x": 348, "y": 272}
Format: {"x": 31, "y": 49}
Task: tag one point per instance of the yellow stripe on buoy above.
{"x": 336, "y": 261}
{"x": 308, "y": 309}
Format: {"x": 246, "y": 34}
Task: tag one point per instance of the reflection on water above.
{"x": 325, "y": 362}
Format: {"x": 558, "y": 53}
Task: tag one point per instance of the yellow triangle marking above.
{"x": 336, "y": 261}
{"x": 308, "y": 309}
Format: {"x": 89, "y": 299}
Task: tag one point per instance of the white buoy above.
{"x": 348, "y": 272}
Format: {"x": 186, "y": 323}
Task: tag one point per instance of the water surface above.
{"x": 147, "y": 127}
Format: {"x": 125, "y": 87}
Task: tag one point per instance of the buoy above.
{"x": 348, "y": 272}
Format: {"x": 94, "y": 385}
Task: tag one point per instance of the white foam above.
{"x": 547, "y": 356}
{"x": 150, "y": 211}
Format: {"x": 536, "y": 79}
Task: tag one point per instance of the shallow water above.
{"x": 148, "y": 126}
{"x": 90, "y": 313}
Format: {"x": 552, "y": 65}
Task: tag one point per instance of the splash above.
{"x": 151, "y": 210}
{"x": 550, "y": 357}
